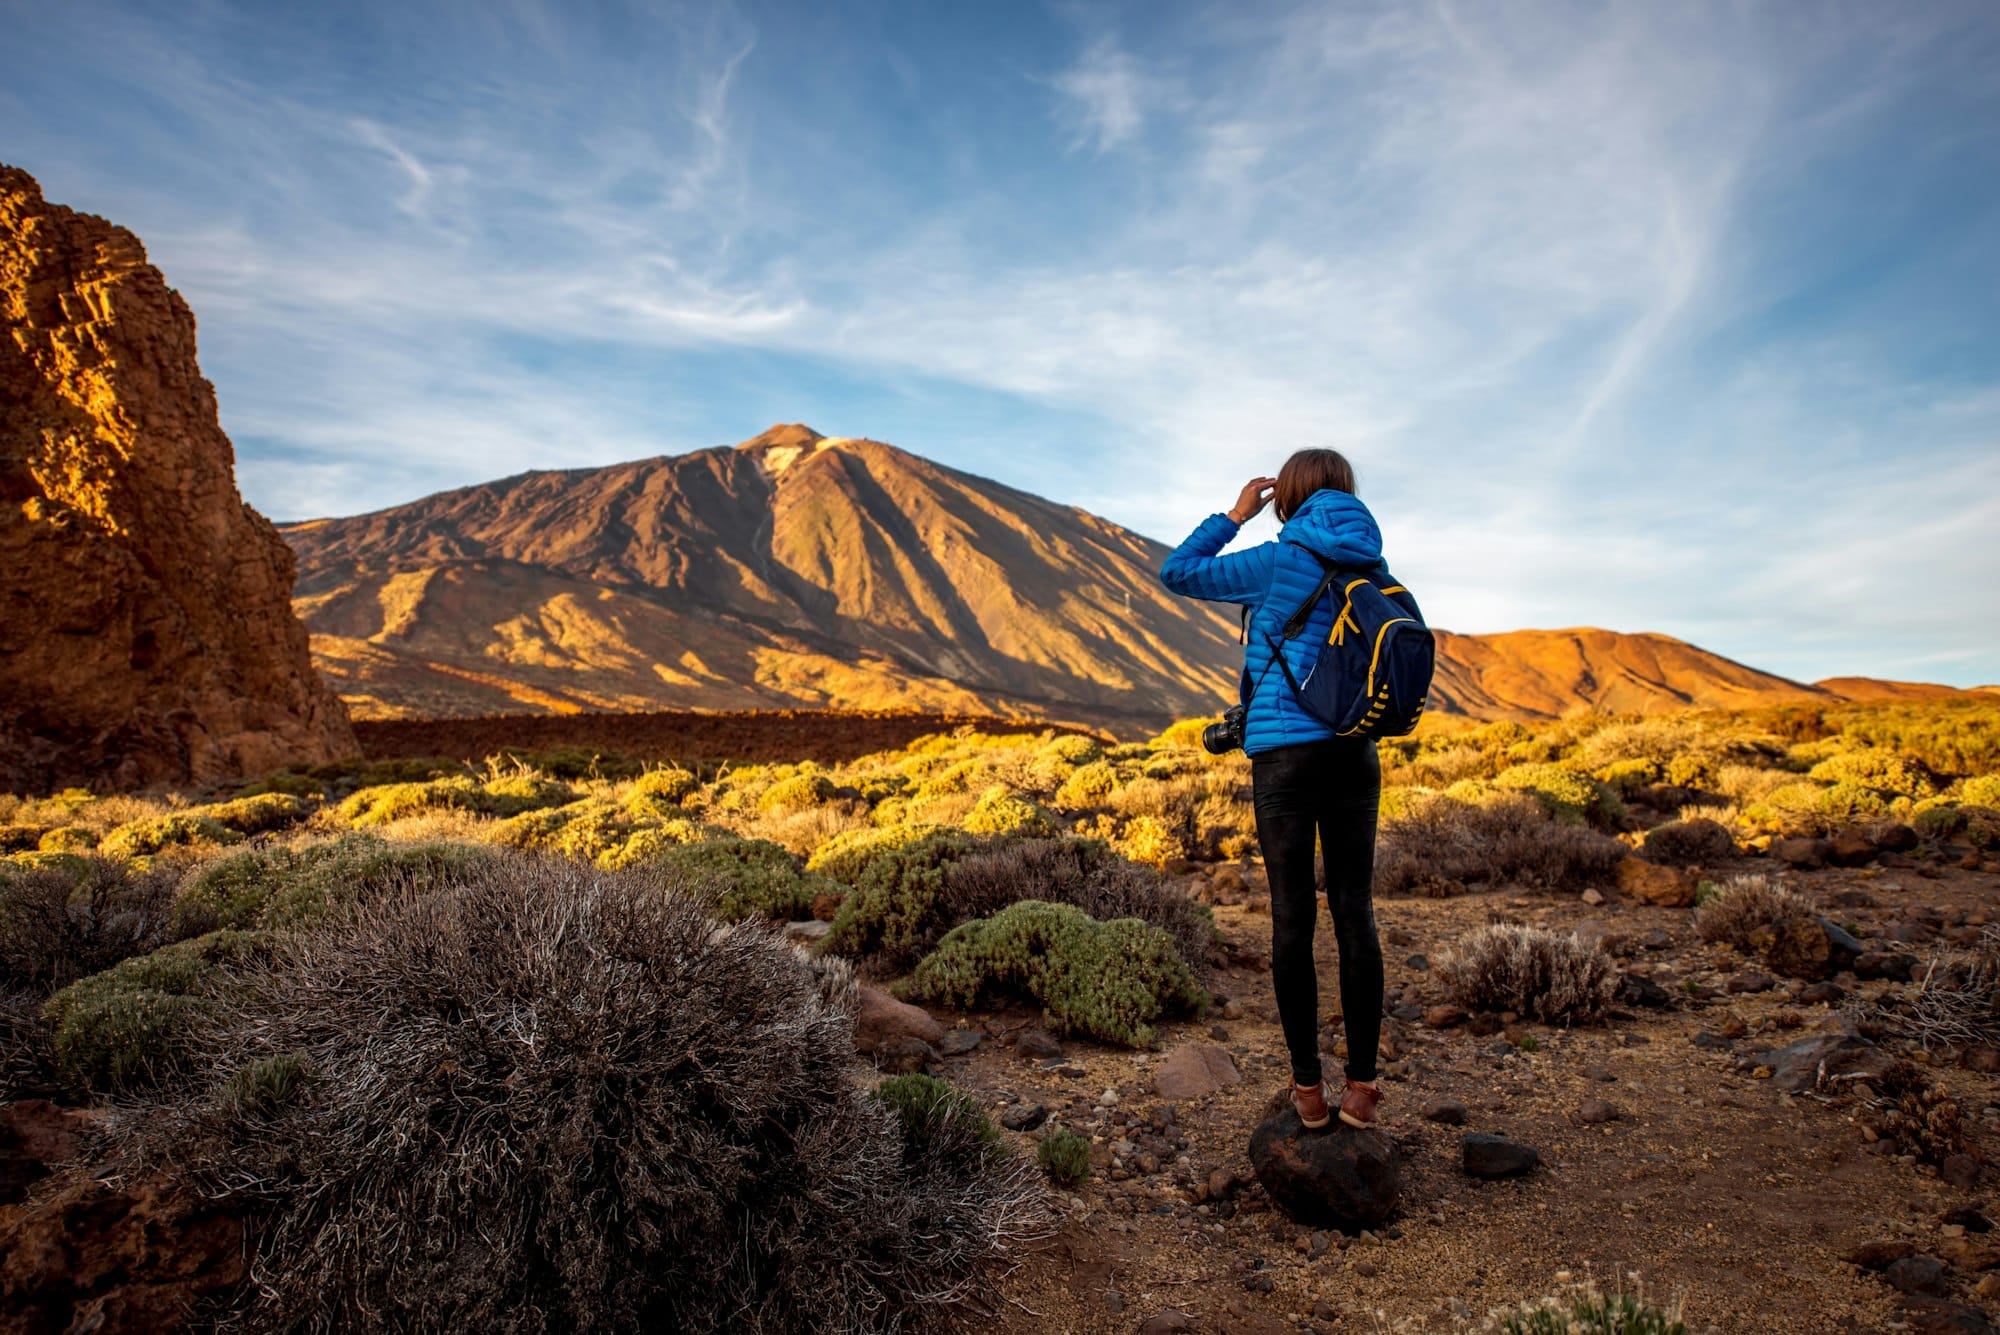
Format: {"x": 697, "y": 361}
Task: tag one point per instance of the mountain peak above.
{"x": 785, "y": 444}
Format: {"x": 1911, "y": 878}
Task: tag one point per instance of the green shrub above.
{"x": 1569, "y": 795}
{"x": 1065, "y": 1156}
{"x": 284, "y": 888}
{"x": 1000, "y": 811}
{"x": 1072, "y": 748}
{"x": 848, "y": 854}
{"x": 1590, "y": 1312}
{"x": 1691, "y": 772}
{"x": 799, "y": 791}
{"x": 893, "y": 911}
{"x": 940, "y": 1123}
{"x": 258, "y": 814}
{"x": 265, "y": 1085}
{"x": 745, "y": 878}
{"x": 669, "y": 785}
{"x": 650, "y": 841}
{"x": 1183, "y": 736}
{"x": 1091, "y": 786}
{"x": 141, "y": 838}
{"x": 1110, "y": 980}
{"x": 130, "y": 1025}
{"x": 585, "y": 830}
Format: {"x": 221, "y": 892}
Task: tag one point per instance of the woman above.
{"x": 1305, "y": 779}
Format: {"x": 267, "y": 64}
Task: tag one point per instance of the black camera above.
{"x": 1219, "y": 739}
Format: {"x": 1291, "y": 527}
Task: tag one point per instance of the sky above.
{"x": 1675, "y": 317}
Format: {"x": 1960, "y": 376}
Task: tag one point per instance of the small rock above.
{"x": 1960, "y": 1170}
{"x": 1803, "y": 946}
{"x": 809, "y": 931}
{"x": 1598, "y": 1073}
{"x": 1894, "y": 837}
{"x": 1593, "y": 896}
{"x": 958, "y": 1042}
{"x": 1879, "y": 1253}
{"x": 1982, "y": 1057}
{"x": 1037, "y": 1043}
{"x": 1450, "y": 1112}
{"x": 1192, "y": 1071}
{"x": 903, "y": 1054}
{"x": 1850, "y": 849}
{"x": 1594, "y": 1111}
{"x": 1634, "y": 990}
{"x": 1750, "y": 982}
{"x": 1897, "y": 967}
{"x": 1444, "y": 1015}
{"x": 1166, "y": 1323}
{"x": 1800, "y": 1066}
{"x": 1967, "y": 1218}
{"x": 1656, "y": 939}
{"x": 1024, "y": 1117}
{"x": 1366, "y": 1269}
{"x": 1925, "y": 1315}
{"x": 1668, "y": 887}
{"x": 881, "y": 1019}
{"x": 1804, "y": 853}
{"x": 1406, "y": 1012}
{"x": 1220, "y": 1183}
{"x": 1916, "y": 1274}
{"x": 1488, "y": 1156}
{"x": 1822, "y": 994}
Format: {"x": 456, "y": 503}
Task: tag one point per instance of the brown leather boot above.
{"x": 1309, "y": 1101}
{"x": 1357, "y": 1104}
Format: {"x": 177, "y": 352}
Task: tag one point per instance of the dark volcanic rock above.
{"x": 1486, "y": 1155}
{"x": 1801, "y": 1065}
{"x": 1024, "y": 1117}
{"x": 1924, "y": 1315}
{"x": 1037, "y": 1043}
{"x": 1636, "y": 991}
{"x": 1451, "y": 1112}
{"x": 1336, "y": 1177}
{"x": 1916, "y": 1274}
{"x": 1803, "y": 853}
{"x": 1896, "y": 967}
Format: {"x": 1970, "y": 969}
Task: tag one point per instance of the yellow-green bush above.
{"x": 512, "y": 794}
{"x": 128, "y": 1026}
{"x": 745, "y": 878}
{"x": 587, "y": 829}
{"x": 1885, "y": 772}
{"x": 796, "y": 792}
{"x": 1111, "y": 980}
{"x": 893, "y": 911}
{"x": 259, "y": 814}
{"x": 1569, "y": 795}
{"x": 1090, "y": 786}
{"x": 1002, "y": 812}
{"x": 67, "y": 839}
{"x": 278, "y": 887}
{"x": 388, "y": 802}
{"x": 649, "y": 841}
{"x": 1147, "y": 839}
{"x": 141, "y": 838}
{"x": 1691, "y": 772}
{"x": 1626, "y": 777}
{"x": 1184, "y": 735}
{"x": 1983, "y": 791}
{"x": 20, "y": 838}
{"x": 846, "y": 856}
{"x": 1073, "y": 748}
{"x": 669, "y": 783}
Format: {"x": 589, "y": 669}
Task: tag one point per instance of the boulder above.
{"x": 1195, "y": 1070}
{"x": 147, "y": 634}
{"x": 1669, "y": 887}
{"x": 881, "y": 1020}
{"x": 958, "y": 1042}
{"x": 1337, "y": 1177}
{"x": 1894, "y": 837}
{"x": 1806, "y": 946}
{"x": 1806, "y": 854}
{"x": 1489, "y": 1156}
{"x": 1037, "y": 1043}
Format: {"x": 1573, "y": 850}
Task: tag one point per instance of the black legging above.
{"x": 1333, "y": 788}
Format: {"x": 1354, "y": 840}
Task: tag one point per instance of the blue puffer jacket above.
{"x": 1272, "y": 580}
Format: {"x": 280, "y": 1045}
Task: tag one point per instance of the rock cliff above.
{"x": 146, "y": 628}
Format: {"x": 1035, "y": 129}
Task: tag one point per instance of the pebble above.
{"x": 1595, "y": 1111}
{"x": 1451, "y": 1112}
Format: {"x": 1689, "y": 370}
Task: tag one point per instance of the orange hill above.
{"x": 795, "y": 570}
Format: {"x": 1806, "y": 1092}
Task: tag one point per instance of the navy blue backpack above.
{"x": 1372, "y": 677}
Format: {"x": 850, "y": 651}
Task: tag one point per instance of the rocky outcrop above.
{"x": 1335, "y": 1177}
{"x": 146, "y": 628}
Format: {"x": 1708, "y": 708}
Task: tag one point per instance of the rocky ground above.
{"x": 1669, "y": 1146}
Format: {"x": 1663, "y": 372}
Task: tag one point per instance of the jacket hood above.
{"x": 1337, "y": 526}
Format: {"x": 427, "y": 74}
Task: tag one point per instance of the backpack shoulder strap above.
{"x": 1297, "y": 621}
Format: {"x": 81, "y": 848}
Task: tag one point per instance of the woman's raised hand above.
{"x": 1255, "y": 496}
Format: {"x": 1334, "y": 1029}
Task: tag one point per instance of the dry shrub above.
{"x": 1506, "y": 967}
{"x": 1742, "y": 904}
{"x": 1440, "y": 845}
{"x": 550, "y": 1097}
{"x": 1956, "y": 1003}
{"x": 27, "y": 1047}
{"x": 58, "y": 926}
{"x": 1917, "y": 1116}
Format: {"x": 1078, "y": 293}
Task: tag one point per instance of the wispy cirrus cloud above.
{"x": 1630, "y": 315}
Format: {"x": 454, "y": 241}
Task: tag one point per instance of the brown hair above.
{"x": 1309, "y": 471}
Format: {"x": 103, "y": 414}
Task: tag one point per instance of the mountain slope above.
{"x": 797, "y": 570}
{"x": 792, "y": 569}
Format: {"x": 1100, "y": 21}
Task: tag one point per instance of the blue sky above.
{"x": 1669, "y": 316}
